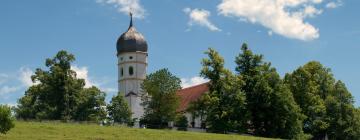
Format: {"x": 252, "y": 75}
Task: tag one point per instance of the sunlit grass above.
{"x": 68, "y": 131}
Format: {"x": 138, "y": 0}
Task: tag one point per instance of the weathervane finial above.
{"x": 131, "y": 18}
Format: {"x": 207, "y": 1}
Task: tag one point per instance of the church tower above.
{"x": 132, "y": 64}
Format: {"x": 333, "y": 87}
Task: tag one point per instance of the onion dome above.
{"x": 131, "y": 40}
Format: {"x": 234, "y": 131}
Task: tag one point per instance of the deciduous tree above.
{"x": 119, "y": 110}
{"x": 273, "y": 111}
{"x": 160, "y": 101}
{"x": 59, "y": 94}
{"x": 226, "y": 110}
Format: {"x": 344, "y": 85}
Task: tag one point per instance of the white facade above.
{"x": 193, "y": 122}
{"x": 131, "y": 73}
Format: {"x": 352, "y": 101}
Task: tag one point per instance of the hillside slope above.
{"x": 63, "y": 131}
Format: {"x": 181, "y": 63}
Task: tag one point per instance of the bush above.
{"x": 6, "y": 120}
{"x": 181, "y": 122}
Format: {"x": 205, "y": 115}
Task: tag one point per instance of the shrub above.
{"x": 6, "y": 120}
{"x": 181, "y": 122}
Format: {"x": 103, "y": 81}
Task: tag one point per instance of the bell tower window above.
{"x": 122, "y": 72}
{"x": 131, "y": 70}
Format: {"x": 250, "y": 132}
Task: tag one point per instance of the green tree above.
{"x": 327, "y": 104}
{"x": 199, "y": 108}
{"x": 160, "y": 102}
{"x": 90, "y": 105}
{"x": 225, "y": 111}
{"x": 6, "y": 120}
{"x": 273, "y": 110}
{"x": 342, "y": 116}
{"x": 181, "y": 122}
{"x": 119, "y": 110}
{"x": 58, "y": 94}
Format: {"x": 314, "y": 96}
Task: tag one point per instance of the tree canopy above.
{"x": 119, "y": 110}
{"x": 326, "y": 103}
{"x": 60, "y": 95}
{"x": 160, "y": 101}
{"x": 272, "y": 108}
{"x": 225, "y": 101}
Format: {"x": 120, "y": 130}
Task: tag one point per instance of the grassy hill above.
{"x": 63, "y": 131}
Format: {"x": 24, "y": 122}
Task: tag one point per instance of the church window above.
{"x": 131, "y": 70}
{"x": 121, "y": 58}
{"x": 122, "y": 71}
{"x": 130, "y": 57}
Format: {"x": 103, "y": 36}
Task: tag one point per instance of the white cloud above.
{"x": 270, "y": 33}
{"x": 8, "y": 89}
{"x": 82, "y": 73}
{"x": 334, "y": 4}
{"x": 127, "y": 6}
{"x": 200, "y": 17}
{"x": 188, "y": 82}
{"x": 283, "y": 17}
{"x": 311, "y": 11}
{"x": 109, "y": 90}
{"x": 25, "y": 76}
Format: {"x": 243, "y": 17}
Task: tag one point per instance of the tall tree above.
{"x": 160, "y": 102}
{"x": 119, "y": 110}
{"x": 59, "y": 93}
{"x": 273, "y": 111}
{"x": 327, "y": 105}
{"x": 225, "y": 110}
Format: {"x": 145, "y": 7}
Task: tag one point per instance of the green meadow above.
{"x": 71, "y": 131}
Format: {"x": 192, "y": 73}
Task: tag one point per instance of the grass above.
{"x": 67, "y": 131}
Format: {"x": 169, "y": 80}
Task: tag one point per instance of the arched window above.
{"x": 131, "y": 70}
{"x": 122, "y": 72}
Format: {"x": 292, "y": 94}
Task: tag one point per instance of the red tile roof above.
{"x": 190, "y": 94}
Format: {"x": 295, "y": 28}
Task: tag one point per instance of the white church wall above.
{"x": 197, "y": 120}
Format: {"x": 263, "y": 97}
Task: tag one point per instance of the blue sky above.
{"x": 288, "y": 32}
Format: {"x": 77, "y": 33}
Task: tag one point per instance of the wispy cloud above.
{"x": 334, "y": 4}
{"x": 9, "y": 89}
{"x": 188, "y": 82}
{"x": 283, "y": 17}
{"x": 200, "y": 17}
{"x": 127, "y": 6}
{"x": 3, "y": 78}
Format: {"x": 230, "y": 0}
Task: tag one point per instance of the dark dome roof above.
{"x": 131, "y": 41}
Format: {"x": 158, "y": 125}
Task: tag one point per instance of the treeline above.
{"x": 308, "y": 103}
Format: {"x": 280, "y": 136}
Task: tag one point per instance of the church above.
{"x": 132, "y": 55}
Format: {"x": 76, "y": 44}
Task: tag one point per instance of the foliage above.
{"x": 160, "y": 102}
{"x": 225, "y": 101}
{"x": 199, "y": 109}
{"x": 91, "y": 105}
{"x": 273, "y": 111}
{"x": 119, "y": 110}
{"x": 60, "y": 95}
{"x": 6, "y": 120}
{"x": 181, "y": 122}
{"x": 327, "y": 104}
